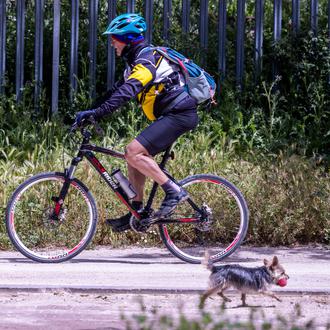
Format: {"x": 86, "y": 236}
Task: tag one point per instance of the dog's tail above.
{"x": 207, "y": 262}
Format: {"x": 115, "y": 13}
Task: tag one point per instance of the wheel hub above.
{"x": 206, "y": 218}
{"x": 50, "y": 221}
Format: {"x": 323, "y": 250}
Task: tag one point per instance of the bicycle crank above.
{"x": 143, "y": 224}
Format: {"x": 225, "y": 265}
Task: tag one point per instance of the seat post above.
{"x": 166, "y": 156}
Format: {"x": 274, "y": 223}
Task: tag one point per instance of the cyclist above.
{"x": 158, "y": 87}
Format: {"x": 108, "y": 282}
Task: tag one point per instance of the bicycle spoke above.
{"x": 222, "y": 221}
{"x": 30, "y": 222}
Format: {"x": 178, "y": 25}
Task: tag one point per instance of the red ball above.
{"x": 282, "y": 282}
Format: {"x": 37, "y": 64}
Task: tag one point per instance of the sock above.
{"x": 170, "y": 187}
{"x": 137, "y": 205}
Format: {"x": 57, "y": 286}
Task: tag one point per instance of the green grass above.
{"x": 216, "y": 320}
{"x": 288, "y": 195}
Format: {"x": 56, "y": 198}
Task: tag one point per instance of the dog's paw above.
{"x": 201, "y": 303}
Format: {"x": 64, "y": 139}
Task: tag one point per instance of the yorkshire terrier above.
{"x": 244, "y": 279}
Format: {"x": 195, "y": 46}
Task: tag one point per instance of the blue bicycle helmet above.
{"x": 127, "y": 24}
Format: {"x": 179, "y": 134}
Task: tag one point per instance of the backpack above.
{"x": 199, "y": 84}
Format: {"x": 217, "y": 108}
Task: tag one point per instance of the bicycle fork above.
{"x": 59, "y": 200}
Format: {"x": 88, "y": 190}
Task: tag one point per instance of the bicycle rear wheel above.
{"x": 33, "y": 231}
{"x": 220, "y": 232}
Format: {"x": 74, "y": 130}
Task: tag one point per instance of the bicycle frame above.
{"x": 86, "y": 150}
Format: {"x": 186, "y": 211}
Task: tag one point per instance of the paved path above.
{"x": 146, "y": 270}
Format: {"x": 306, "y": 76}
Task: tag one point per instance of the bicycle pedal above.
{"x": 149, "y": 221}
{"x": 139, "y": 226}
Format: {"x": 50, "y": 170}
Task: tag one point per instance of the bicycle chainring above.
{"x": 143, "y": 224}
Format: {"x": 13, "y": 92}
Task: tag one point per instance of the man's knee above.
{"x": 134, "y": 151}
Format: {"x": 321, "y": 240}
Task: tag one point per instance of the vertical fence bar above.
{"x": 329, "y": 33}
{"x": 56, "y": 54}
{"x": 277, "y": 19}
{"x": 38, "y": 52}
{"x": 259, "y": 34}
{"x": 185, "y": 15}
{"x": 93, "y": 13}
{"x": 20, "y": 30}
{"x": 222, "y": 36}
{"x": 130, "y": 6}
{"x": 295, "y": 16}
{"x": 240, "y": 42}
{"x": 148, "y": 10}
{"x": 2, "y": 45}
{"x": 166, "y": 17}
{"x": 277, "y": 30}
{"x": 314, "y": 16}
{"x": 111, "y": 52}
{"x": 74, "y": 48}
{"x": 329, "y": 21}
{"x": 203, "y": 29}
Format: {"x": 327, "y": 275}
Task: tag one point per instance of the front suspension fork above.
{"x": 59, "y": 200}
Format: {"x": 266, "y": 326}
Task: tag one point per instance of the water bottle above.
{"x": 124, "y": 183}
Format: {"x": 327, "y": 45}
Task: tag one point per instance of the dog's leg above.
{"x": 207, "y": 294}
{"x": 223, "y": 296}
{"x": 243, "y": 298}
{"x": 271, "y": 294}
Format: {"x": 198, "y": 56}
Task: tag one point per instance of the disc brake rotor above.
{"x": 53, "y": 223}
{"x": 206, "y": 218}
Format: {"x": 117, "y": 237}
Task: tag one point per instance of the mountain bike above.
{"x": 52, "y": 217}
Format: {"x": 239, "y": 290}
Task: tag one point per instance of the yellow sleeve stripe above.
{"x": 141, "y": 73}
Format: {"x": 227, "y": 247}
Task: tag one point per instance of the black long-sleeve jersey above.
{"x": 147, "y": 78}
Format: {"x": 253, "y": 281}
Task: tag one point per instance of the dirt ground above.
{"x": 65, "y": 310}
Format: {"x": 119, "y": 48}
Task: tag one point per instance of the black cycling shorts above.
{"x": 165, "y": 130}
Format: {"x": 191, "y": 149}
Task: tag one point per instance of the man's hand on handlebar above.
{"x": 83, "y": 115}
{"x": 84, "y": 118}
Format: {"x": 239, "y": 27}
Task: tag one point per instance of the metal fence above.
{"x": 148, "y": 13}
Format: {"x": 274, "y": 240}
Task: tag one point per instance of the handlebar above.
{"x": 90, "y": 121}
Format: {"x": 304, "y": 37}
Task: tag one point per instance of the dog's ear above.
{"x": 275, "y": 261}
{"x": 266, "y": 262}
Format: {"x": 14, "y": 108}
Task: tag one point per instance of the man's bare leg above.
{"x": 137, "y": 179}
{"x": 138, "y": 157}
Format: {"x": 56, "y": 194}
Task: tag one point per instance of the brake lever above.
{"x": 82, "y": 124}
{"x": 73, "y": 127}
{"x": 98, "y": 129}
{"x": 90, "y": 120}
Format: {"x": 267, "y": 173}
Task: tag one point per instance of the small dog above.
{"x": 244, "y": 279}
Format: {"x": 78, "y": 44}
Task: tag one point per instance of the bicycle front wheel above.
{"x": 220, "y": 230}
{"x": 33, "y": 230}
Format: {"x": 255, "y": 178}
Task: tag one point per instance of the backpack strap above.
{"x": 151, "y": 47}
{"x": 174, "y": 102}
{"x": 163, "y": 52}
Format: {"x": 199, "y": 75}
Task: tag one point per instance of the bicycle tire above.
{"x": 228, "y": 207}
{"x": 35, "y": 234}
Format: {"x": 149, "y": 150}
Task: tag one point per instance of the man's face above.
{"x": 118, "y": 45}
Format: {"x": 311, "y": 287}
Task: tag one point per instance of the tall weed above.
{"x": 288, "y": 196}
